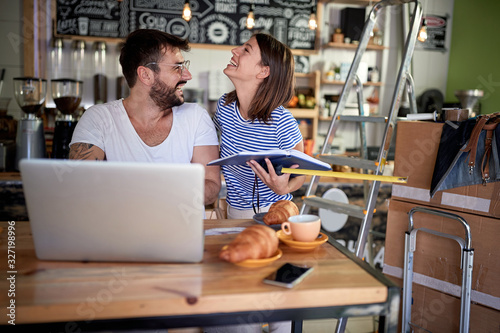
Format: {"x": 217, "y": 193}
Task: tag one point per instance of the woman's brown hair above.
{"x": 279, "y": 86}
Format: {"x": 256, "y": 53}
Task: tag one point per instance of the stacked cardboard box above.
{"x": 436, "y": 266}
{"x": 439, "y": 312}
{"x": 417, "y": 144}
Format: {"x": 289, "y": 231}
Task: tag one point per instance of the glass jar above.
{"x": 378, "y": 37}
{"x": 56, "y": 58}
{"x": 122, "y": 88}
{"x": 100, "y": 79}
{"x": 78, "y": 58}
{"x": 374, "y": 75}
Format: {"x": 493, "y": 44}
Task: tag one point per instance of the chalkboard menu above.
{"x": 219, "y": 22}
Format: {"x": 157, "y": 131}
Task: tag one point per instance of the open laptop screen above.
{"x": 115, "y": 211}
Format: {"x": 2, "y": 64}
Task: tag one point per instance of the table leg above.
{"x": 297, "y": 326}
{"x": 341, "y": 325}
{"x": 389, "y": 322}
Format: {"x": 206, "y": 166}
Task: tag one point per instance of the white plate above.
{"x": 333, "y": 221}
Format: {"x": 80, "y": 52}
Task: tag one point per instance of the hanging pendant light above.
{"x": 251, "y": 18}
{"x": 312, "y": 18}
{"x": 186, "y": 11}
{"x": 422, "y": 34}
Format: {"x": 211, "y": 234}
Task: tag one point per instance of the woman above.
{"x": 252, "y": 118}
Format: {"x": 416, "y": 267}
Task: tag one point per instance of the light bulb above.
{"x": 312, "y": 21}
{"x": 422, "y": 34}
{"x": 312, "y": 18}
{"x": 186, "y": 11}
{"x": 250, "y": 19}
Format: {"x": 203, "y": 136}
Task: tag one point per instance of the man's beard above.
{"x": 165, "y": 97}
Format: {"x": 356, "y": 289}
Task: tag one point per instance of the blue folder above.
{"x": 279, "y": 158}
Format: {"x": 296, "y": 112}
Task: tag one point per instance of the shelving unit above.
{"x": 353, "y": 47}
{"x": 317, "y": 82}
{"x": 311, "y": 80}
{"x": 334, "y": 53}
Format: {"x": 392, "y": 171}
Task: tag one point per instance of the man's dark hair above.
{"x": 144, "y": 46}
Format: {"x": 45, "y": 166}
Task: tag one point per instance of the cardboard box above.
{"x": 417, "y": 144}
{"x": 436, "y": 262}
{"x": 438, "y": 312}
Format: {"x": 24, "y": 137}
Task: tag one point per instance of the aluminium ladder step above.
{"x": 339, "y": 207}
{"x": 363, "y": 119}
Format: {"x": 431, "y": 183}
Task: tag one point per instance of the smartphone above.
{"x": 288, "y": 275}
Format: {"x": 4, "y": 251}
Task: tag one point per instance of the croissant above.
{"x": 255, "y": 242}
{"x": 280, "y": 211}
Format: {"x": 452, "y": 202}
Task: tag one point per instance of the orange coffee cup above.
{"x": 302, "y": 228}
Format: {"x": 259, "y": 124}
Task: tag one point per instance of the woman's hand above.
{"x": 278, "y": 184}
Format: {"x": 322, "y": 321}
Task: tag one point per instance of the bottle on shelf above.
{"x": 378, "y": 37}
{"x": 330, "y": 74}
{"x": 122, "y": 88}
{"x": 338, "y": 36}
{"x": 373, "y": 74}
{"x": 78, "y": 58}
{"x": 57, "y": 58}
{"x": 100, "y": 79}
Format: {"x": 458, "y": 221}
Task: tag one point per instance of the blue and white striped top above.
{"x": 239, "y": 134}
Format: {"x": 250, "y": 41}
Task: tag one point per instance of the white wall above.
{"x": 430, "y": 68}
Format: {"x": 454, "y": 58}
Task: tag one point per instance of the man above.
{"x": 153, "y": 124}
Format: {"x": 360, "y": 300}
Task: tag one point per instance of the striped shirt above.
{"x": 239, "y": 134}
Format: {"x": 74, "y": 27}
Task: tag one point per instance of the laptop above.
{"x": 115, "y": 211}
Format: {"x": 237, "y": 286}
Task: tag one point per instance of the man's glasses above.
{"x": 182, "y": 66}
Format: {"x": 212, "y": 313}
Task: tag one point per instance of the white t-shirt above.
{"x": 108, "y": 127}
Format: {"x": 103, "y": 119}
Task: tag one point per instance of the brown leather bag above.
{"x": 487, "y": 123}
{"x": 468, "y": 154}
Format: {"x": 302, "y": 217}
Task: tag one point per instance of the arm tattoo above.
{"x": 81, "y": 151}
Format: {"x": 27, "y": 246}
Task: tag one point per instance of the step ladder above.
{"x": 376, "y": 166}
{"x": 467, "y": 258}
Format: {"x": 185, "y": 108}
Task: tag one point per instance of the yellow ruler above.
{"x": 348, "y": 175}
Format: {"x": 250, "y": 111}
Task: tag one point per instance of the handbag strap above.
{"x": 471, "y": 146}
{"x": 485, "y": 162}
{"x": 488, "y": 123}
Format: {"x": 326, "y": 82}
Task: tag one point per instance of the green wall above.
{"x": 475, "y": 51}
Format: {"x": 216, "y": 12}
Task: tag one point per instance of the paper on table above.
{"x": 223, "y": 231}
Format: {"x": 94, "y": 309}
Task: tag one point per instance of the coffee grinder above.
{"x": 8, "y": 126}
{"x": 468, "y": 99}
{"x": 30, "y": 140}
{"x": 67, "y": 95}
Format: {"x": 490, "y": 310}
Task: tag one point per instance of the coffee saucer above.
{"x": 301, "y": 246}
{"x": 251, "y": 263}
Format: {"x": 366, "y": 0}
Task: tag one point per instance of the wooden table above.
{"x": 76, "y": 296}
